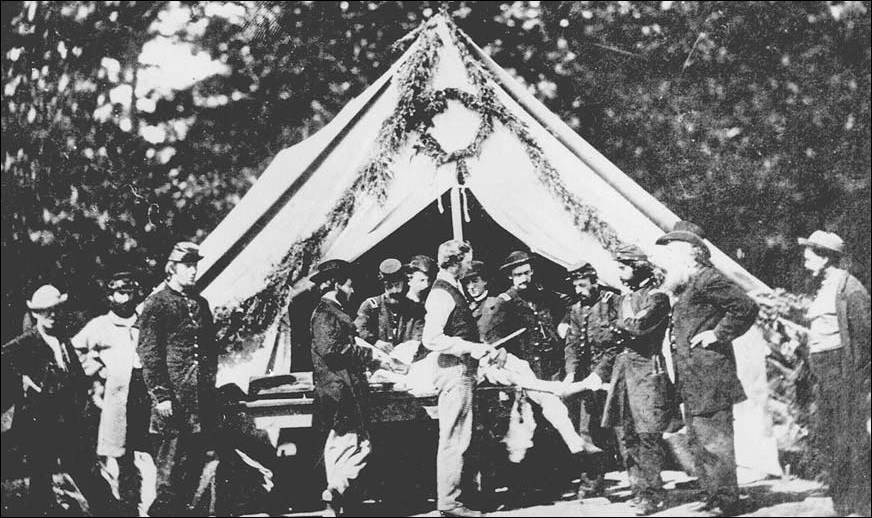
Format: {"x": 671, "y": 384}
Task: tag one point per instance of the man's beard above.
{"x": 124, "y": 310}
{"x": 677, "y": 277}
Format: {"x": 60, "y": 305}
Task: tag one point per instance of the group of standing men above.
{"x": 604, "y": 345}
{"x": 158, "y": 360}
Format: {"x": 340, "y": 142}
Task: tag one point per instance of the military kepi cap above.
{"x": 390, "y": 269}
{"x": 581, "y": 269}
{"x": 628, "y": 253}
{"x": 185, "y": 252}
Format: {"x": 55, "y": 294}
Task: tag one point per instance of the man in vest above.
{"x": 451, "y": 330}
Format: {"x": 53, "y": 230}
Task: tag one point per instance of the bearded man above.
{"x": 709, "y": 311}
{"x": 391, "y": 318}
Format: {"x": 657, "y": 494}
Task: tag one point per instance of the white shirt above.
{"x": 57, "y": 348}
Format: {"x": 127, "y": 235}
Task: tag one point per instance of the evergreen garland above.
{"x": 418, "y": 104}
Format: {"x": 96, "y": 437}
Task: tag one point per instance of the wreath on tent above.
{"x": 418, "y": 103}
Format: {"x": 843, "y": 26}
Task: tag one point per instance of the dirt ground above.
{"x": 772, "y": 497}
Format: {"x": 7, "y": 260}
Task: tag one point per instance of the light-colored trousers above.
{"x": 344, "y": 457}
{"x": 455, "y": 433}
{"x": 519, "y": 438}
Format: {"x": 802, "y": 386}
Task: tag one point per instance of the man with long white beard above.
{"x": 709, "y": 311}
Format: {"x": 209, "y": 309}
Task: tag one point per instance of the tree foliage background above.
{"x": 749, "y": 118}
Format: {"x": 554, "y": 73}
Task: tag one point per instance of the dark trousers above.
{"x": 179, "y": 460}
{"x": 710, "y": 437}
{"x": 839, "y": 433}
{"x": 594, "y": 467}
{"x": 137, "y": 439}
{"x": 77, "y": 459}
{"x": 643, "y": 458}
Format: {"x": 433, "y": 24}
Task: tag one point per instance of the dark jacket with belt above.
{"x": 339, "y": 371}
{"x": 64, "y": 391}
{"x": 706, "y": 376}
{"x": 395, "y": 323}
{"x": 538, "y": 311}
{"x": 640, "y": 392}
{"x": 179, "y": 359}
{"x": 591, "y": 344}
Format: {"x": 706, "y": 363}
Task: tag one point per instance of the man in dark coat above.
{"x": 590, "y": 352}
{"x": 390, "y": 319}
{"x": 49, "y": 416}
{"x": 526, "y": 304}
{"x": 179, "y": 363}
{"x": 341, "y": 389}
{"x": 839, "y": 358}
{"x": 708, "y": 313}
{"x": 638, "y": 405}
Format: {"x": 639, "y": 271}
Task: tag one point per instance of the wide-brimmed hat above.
{"x": 185, "y": 252}
{"x": 423, "y": 264}
{"x": 46, "y": 297}
{"x": 825, "y": 240}
{"x": 123, "y": 281}
{"x": 330, "y": 269}
{"x": 390, "y": 269}
{"x": 580, "y": 269}
{"x": 687, "y": 232}
{"x": 629, "y": 253}
{"x": 515, "y": 259}
{"x": 476, "y": 269}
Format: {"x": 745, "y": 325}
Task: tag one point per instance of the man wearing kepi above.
{"x": 638, "y": 405}
{"x": 108, "y": 342}
{"x": 839, "y": 359}
{"x": 390, "y": 319}
{"x": 589, "y": 355}
{"x": 341, "y": 389}
{"x": 180, "y": 361}
{"x": 451, "y": 330}
{"x": 709, "y": 312}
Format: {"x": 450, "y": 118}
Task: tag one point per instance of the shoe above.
{"x": 645, "y": 506}
{"x": 591, "y": 488}
{"x": 460, "y": 511}
{"x": 332, "y": 503}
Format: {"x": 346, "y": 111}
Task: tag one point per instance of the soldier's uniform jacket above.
{"x": 179, "y": 359}
{"x": 591, "y": 344}
{"x": 339, "y": 365}
{"x": 539, "y": 312}
{"x": 64, "y": 390}
{"x": 640, "y": 390}
{"x": 706, "y": 376}
{"x": 395, "y": 323}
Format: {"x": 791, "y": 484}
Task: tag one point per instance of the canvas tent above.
{"x": 444, "y": 117}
